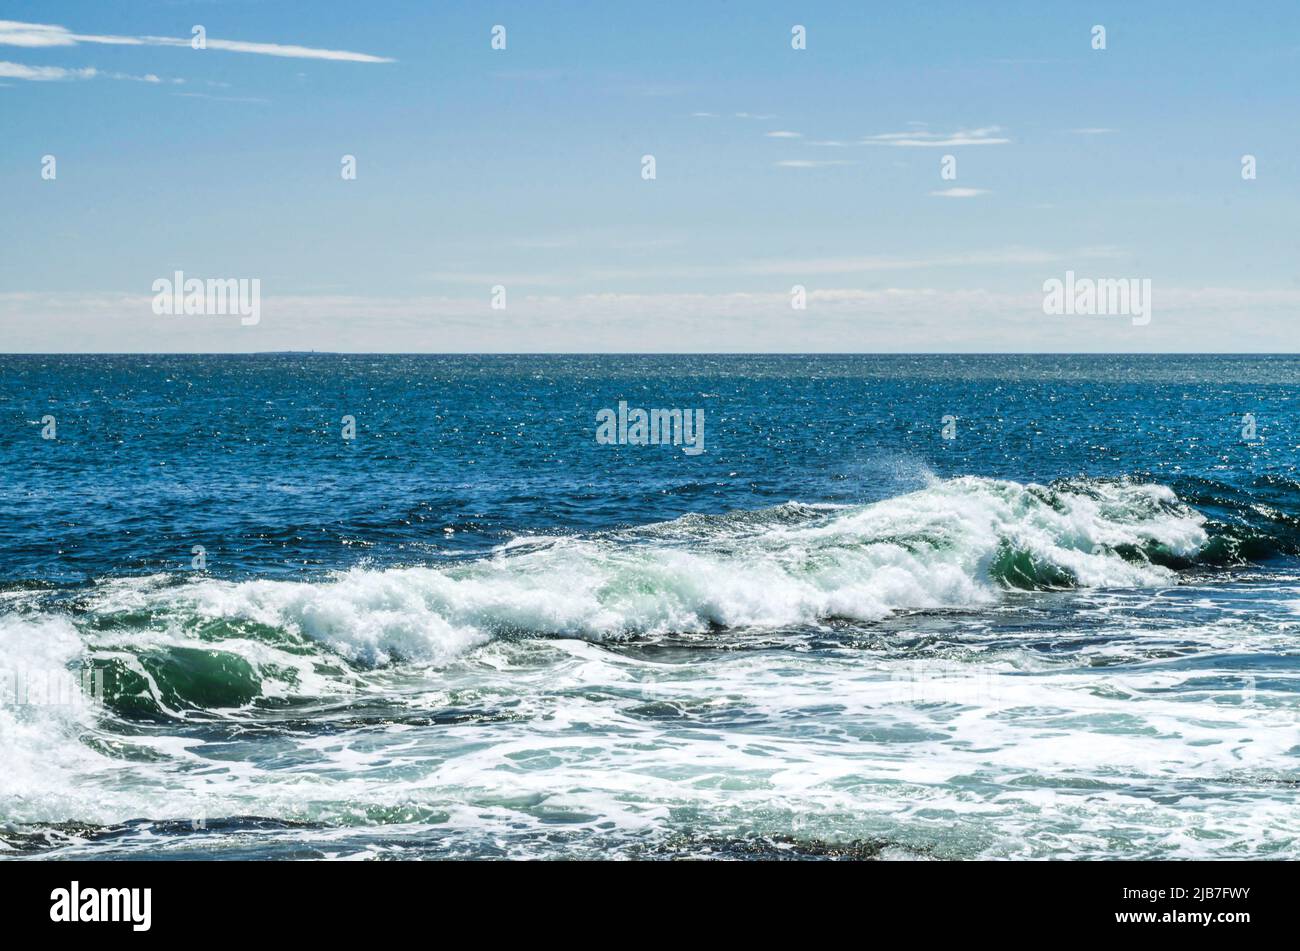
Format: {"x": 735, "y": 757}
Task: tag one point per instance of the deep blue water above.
{"x": 244, "y": 453}
{"x": 1068, "y": 630}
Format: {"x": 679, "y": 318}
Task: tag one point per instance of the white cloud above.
{"x": 33, "y": 35}
{"x": 920, "y": 138}
{"x": 782, "y": 134}
{"x": 960, "y": 192}
{"x": 56, "y": 73}
{"x": 274, "y": 49}
{"x": 44, "y": 73}
{"x": 146, "y": 78}
{"x": 838, "y": 319}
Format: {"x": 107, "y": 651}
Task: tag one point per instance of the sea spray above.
{"x": 954, "y": 544}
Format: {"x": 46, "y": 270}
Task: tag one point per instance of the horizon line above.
{"x": 652, "y": 353}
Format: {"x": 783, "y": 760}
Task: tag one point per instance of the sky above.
{"x": 522, "y": 168}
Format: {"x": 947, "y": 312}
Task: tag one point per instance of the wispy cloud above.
{"x": 44, "y": 73}
{"x": 921, "y": 138}
{"x": 734, "y": 115}
{"x": 1012, "y": 257}
{"x": 44, "y": 35}
{"x": 849, "y": 318}
{"x": 782, "y": 134}
{"x": 593, "y": 239}
{"x": 58, "y": 73}
{"x": 204, "y": 95}
{"x": 810, "y": 163}
{"x": 146, "y": 78}
{"x": 1002, "y": 257}
{"x": 530, "y": 75}
{"x": 960, "y": 192}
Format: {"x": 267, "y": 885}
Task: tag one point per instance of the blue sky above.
{"x": 522, "y": 167}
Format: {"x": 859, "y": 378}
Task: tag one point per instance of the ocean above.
{"x": 896, "y": 607}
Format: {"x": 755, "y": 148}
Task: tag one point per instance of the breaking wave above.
{"x": 202, "y": 654}
{"x": 955, "y": 544}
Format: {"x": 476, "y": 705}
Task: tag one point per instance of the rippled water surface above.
{"x": 473, "y": 631}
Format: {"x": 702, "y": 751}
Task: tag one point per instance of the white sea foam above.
{"x": 40, "y": 756}
{"x": 946, "y": 546}
{"x": 995, "y": 749}
{"x": 1011, "y": 756}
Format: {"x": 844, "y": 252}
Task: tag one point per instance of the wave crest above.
{"x": 954, "y": 544}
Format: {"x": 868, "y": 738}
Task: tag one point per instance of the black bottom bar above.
{"x": 336, "y": 901}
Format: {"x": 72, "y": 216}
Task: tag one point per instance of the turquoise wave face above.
{"x": 1044, "y": 637}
